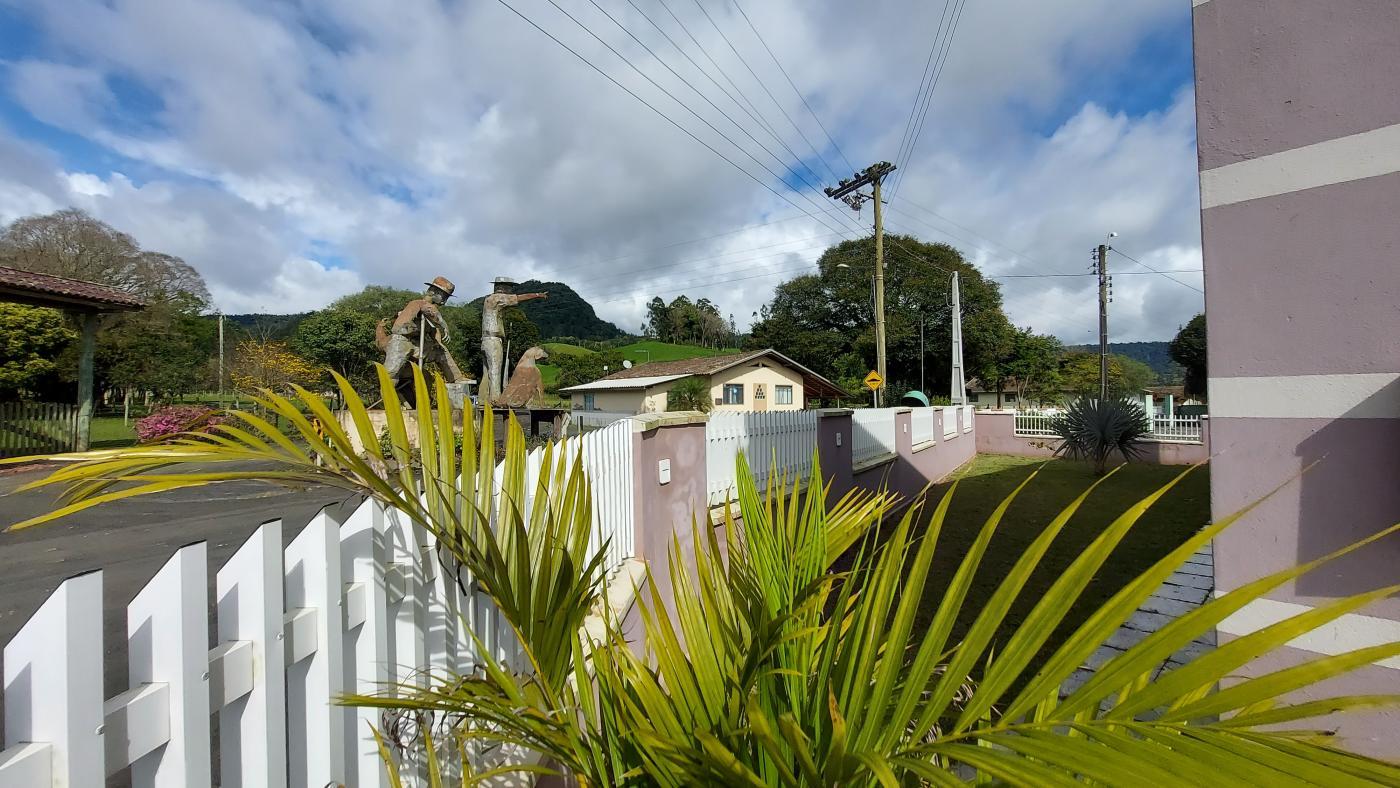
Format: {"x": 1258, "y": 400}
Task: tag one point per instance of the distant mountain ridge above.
{"x": 1154, "y": 354}
{"x": 564, "y": 314}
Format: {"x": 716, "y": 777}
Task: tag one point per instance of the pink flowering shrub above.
{"x": 175, "y": 418}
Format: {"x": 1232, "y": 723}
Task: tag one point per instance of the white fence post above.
{"x": 362, "y": 566}
{"x": 253, "y": 727}
{"x": 315, "y": 670}
{"x": 167, "y": 630}
{"x": 53, "y": 691}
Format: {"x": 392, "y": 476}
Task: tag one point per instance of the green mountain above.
{"x": 263, "y": 325}
{"x": 1153, "y": 354}
{"x": 563, "y": 314}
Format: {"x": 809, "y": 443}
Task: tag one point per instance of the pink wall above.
{"x": 910, "y": 471}
{"x": 1297, "y": 124}
{"x": 996, "y": 434}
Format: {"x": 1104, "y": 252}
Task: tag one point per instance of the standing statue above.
{"x": 493, "y": 351}
{"x": 419, "y": 334}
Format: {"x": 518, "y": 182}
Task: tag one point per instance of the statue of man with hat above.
{"x": 493, "y": 333}
{"x": 420, "y": 333}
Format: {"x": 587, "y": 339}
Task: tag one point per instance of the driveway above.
{"x": 130, "y": 541}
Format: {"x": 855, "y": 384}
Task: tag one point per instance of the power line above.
{"x": 651, "y": 107}
{"x": 933, "y": 85}
{"x": 649, "y": 269}
{"x": 919, "y": 93}
{"x": 761, "y": 84}
{"x": 1155, "y": 271}
{"x": 793, "y": 85}
{"x": 762, "y": 125}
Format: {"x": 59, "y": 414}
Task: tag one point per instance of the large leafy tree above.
{"x": 1079, "y": 375}
{"x": 339, "y": 339}
{"x": 688, "y": 323}
{"x": 826, "y": 319}
{"x": 31, "y": 339}
{"x": 1188, "y": 349}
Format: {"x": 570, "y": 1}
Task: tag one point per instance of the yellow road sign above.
{"x": 873, "y": 381}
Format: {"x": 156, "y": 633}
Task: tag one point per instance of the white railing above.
{"x": 350, "y": 608}
{"x": 1177, "y": 428}
{"x": 872, "y": 433}
{"x": 950, "y": 421}
{"x": 785, "y": 438}
{"x": 923, "y": 425}
{"x": 967, "y": 418}
{"x": 1033, "y": 424}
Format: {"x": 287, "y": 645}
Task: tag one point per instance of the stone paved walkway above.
{"x": 1187, "y": 589}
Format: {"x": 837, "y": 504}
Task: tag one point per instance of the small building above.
{"x": 757, "y": 381}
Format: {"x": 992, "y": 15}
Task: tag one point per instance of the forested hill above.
{"x": 265, "y": 325}
{"x": 1153, "y": 354}
{"x": 563, "y": 314}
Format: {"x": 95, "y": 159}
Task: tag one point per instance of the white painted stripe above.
{"x": 1348, "y": 633}
{"x": 1372, "y": 395}
{"x": 1349, "y": 158}
{"x": 1195, "y": 3}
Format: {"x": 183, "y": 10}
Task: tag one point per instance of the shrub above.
{"x": 689, "y": 394}
{"x": 1093, "y": 429}
{"x": 174, "y": 419}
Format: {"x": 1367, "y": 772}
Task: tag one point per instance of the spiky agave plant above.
{"x": 765, "y": 667}
{"x": 1093, "y": 429}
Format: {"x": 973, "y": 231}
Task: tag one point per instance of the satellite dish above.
{"x": 626, "y": 364}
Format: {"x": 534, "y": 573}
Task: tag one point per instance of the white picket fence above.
{"x": 950, "y": 421}
{"x": 967, "y": 411}
{"x": 787, "y": 438}
{"x": 1033, "y": 424}
{"x": 343, "y": 609}
{"x": 1177, "y": 428}
{"x": 923, "y": 425}
{"x": 872, "y": 433}
{"x": 581, "y": 421}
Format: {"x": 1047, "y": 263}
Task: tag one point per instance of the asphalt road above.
{"x": 130, "y": 540}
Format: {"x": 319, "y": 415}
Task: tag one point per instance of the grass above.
{"x": 986, "y": 481}
{"x": 565, "y": 349}
{"x": 650, "y": 350}
{"x": 109, "y": 432}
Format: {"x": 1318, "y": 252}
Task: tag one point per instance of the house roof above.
{"x": 624, "y": 384}
{"x": 709, "y": 365}
{"x": 27, "y": 287}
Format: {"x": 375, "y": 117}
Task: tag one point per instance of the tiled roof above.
{"x": 45, "y": 290}
{"x": 709, "y": 365}
{"x": 624, "y": 384}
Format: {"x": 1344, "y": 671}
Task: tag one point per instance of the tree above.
{"x": 585, "y": 368}
{"x": 266, "y": 364}
{"x": 339, "y": 339}
{"x": 31, "y": 338}
{"x": 826, "y": 320}
{"x": 1079, "y": 375}
{"x": 689, "y": 394}
{"x": 1035, "y": 369}
{"x": 1188, "y": 349}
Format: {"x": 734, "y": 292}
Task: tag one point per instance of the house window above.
{"x": 588, "y": 403}
{"x": 782, "y": 395}
{"x": 971, "y": 396}
{"x": 1010, "y": 397}
{"x": 734, "y": 393}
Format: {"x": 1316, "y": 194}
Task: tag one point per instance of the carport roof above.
{"x": 28, "y": 287}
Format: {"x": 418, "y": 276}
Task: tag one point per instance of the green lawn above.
{"x": 985, "y": 482}
{"x": 649, "y": 350}
{"x": 108, "y": 432}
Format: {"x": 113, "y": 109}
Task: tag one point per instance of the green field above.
{"x": 555, "y": 349}
{"x": 109, "y": 432}
{"x": 648, "y": 350}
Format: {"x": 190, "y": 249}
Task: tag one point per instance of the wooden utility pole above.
{"x": 847, "y": 192}
{"x": 1102, "y": 266}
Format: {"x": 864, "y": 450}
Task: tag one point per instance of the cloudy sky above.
{"x": 295, "y": 150}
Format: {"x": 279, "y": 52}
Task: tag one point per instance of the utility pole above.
{"x": 847, "y": 192}
{"x": 921, "y": 355}
{"x": 1101, "y": 265}
{"x": 957, "y": 384}
{"x": 221, "y": 357}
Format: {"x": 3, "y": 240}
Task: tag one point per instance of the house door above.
{"x": 760, "y": 397}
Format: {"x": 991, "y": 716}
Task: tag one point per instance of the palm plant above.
{"x": 764, "y": 666}
{"x": 1094, "y": 429}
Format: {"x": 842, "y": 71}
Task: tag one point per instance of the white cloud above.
{"x": 397, "y": 141}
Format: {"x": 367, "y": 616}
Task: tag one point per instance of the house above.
{"x": 758, "y": 380}
{"x": 986, "y": 399}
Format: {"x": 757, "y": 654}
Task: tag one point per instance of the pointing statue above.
{"x": 493, "y": 333}
{"x": 419, "y": 334}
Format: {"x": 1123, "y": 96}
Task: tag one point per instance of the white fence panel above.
{"x": 315, "y": 668}
{"x": 923, "y": 425}
{"x": 967, "y": 415}
{"x": 775, "y": 440}
{"x": 950, "y": 421}
{"x": 366, "y": 644}
{"x": 1034, "y": 424}
{"x": 607, "y": 460}
{"x": 1177, "y": 428}
{"x": 582, "y": 421}
{"x": 872, "y": 433}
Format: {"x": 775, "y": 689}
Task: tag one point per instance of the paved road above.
{"x": 130, "y": 541}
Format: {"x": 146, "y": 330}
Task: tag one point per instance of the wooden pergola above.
{"x": 86, "y": 300}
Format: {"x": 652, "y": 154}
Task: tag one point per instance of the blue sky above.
{"x": 296, "y": 152}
